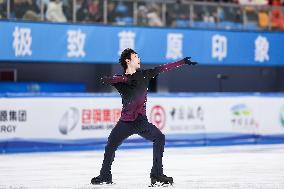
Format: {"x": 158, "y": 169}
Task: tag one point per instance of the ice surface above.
{"x": 252, "y": 166}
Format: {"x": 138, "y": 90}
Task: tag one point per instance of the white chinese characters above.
{"x": 174, "y": 45}
{"x": 261, "y": 49}
{"x": 126, "y": 40}
{"x": 76, "y": 43}
{"x": 22, "y": 41}
{"x": 219, "y": 47}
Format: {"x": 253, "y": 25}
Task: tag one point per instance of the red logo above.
{"x": 95, "y": 116}
{"x": 158, "y": 116}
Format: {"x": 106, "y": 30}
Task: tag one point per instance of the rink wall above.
{"x": 58, "y": 122}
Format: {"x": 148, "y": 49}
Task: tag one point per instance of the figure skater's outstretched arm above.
{"x": 169, "y": 66}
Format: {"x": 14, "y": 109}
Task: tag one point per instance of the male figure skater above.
{"x": 132, "y": 86}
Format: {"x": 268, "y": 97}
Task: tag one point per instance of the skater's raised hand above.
{"x": 189, "y": 62}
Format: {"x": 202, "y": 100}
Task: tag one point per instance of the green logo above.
{"x": 282, "y": 115}
{"x": 241, "y": 110}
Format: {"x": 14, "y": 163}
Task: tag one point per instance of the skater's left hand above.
{"x": 189, "y": 62}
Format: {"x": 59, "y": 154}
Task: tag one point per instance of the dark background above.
{"x": 184, "y": 79}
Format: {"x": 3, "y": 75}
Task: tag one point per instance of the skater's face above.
{"x": 134, "y": 62}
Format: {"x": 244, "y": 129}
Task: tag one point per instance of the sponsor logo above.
{"x": 158, "y": 116}
{"x": 187, "y": 118}
{"x": 99, "y": 119}
{"x": 8, "y": 128}
{"x": 282, "y": 116}
{"x": 9, "y": 120}
{"x": 69, "y": 121}
{"x": 88, "y": 119}
{"x": 243, "y": 118}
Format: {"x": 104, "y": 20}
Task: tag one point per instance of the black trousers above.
{"x": 124, "y": 129}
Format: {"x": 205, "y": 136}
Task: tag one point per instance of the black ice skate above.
{"x": 99, "y": 180}
{"x": 161, "y": 180}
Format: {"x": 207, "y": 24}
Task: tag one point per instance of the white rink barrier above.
{"x": 57, "y": 122}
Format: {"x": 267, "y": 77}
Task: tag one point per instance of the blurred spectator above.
{"x": 2, "y": 9}
{"x": 153, "y": 15}
{"x": 124, "y": 13}
{"x": 111, "y": 12}
{"x": 220, "y": 14}
{"x": 207, "y": 17}
{"x": 277, "y": 20}
{"x": 263, "y": 19}
{"x": 94, "y": 11}
{"x": 230, "y": 14}
{"x": 142, "y": 19}
{"x": 67, "y": 7}
{"x": 251, "y": 19}
{"x": 121, "y": 9}
{"x": 238, "y": 16}
{"x": 54, "y": 11}
{"x": 88, "y": 11}
{"x": 208, "y": 14}
{"x": 26, "y": 9}
{"x": 250, "y": 14}
{"x": 177, "y": 14}
{"x": 198, "y": 12}
{"x": 120, "y": 12}
{"x": 81, "y": 10}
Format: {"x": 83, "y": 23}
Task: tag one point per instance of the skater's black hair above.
{"x": 126, "y": 54}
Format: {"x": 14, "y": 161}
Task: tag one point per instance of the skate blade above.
{"x": 103, "y": 184}
{"x": 161, "y": 184}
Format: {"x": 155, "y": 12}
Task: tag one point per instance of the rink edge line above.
{"x": 18, "y": 145}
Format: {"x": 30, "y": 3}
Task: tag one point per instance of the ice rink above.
{"x": 251, "y": 166}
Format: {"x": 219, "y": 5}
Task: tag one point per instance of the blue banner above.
{"x": 69, "y": 43}
{"x": 41, "y": 87}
